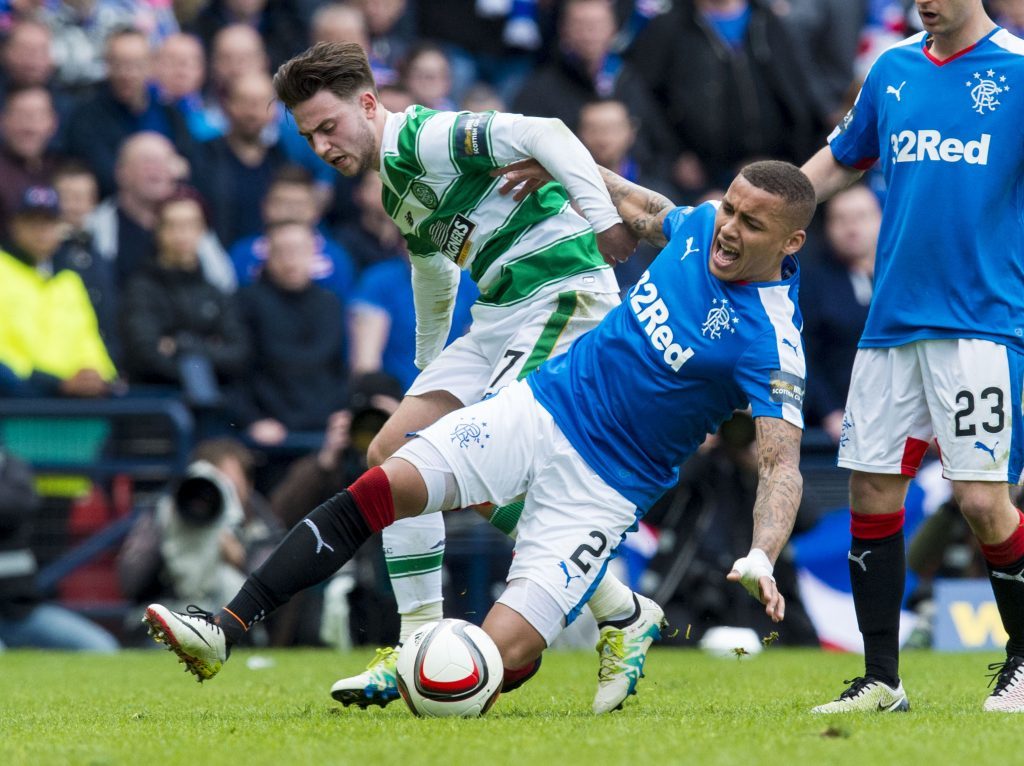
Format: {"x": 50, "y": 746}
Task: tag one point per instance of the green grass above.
{"x": 137, "y": 708}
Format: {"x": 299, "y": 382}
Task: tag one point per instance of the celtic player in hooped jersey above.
{"x": 543, "y": 283}
{"x": 942, "y": 353}
{"x": 593, "y": 434}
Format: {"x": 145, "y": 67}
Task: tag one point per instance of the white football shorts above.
{"x": 506, "y": 343}
{"x": 963, "y": 393}
{"x": 508, "y": 445}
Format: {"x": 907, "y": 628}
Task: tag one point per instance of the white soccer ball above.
{"x": 449, "y": 668}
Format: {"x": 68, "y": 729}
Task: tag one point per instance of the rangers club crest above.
{"x": 720, "y": 317}
{"x": 985, "y": 90}
{"x": 469, "y": 434}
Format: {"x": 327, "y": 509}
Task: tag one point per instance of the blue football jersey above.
{"x": 950, "y": 137}
{"x": 640, "y": 392}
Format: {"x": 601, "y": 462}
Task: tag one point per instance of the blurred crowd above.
{"x": 165, "y": 231}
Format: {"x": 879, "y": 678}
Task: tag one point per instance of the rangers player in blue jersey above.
{"x": 712, "y": 326}
{"x": 942, "y": 354}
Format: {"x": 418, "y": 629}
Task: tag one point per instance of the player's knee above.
{"x": 987, "y": 508}
{"x": 877, "y": 493}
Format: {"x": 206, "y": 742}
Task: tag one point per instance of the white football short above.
{"x": 505, "y": 343}
{"x": 963, "y": 393}
{"x": 508, "y": 445}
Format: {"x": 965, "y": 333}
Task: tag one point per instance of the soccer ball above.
{"x": 449, "y": 668}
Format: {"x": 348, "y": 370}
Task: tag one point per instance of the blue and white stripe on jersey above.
{"x": 781, "y": 311}
{"x": 638, "y": 394}
{"x": 949, "y": 136}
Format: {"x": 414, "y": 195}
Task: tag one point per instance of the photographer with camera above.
{"x": 206, "y": 534}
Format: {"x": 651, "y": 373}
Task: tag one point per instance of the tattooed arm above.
{"x": 779, "y": 488}
{"x": 642, "y": 210}
{"x": 779, "y": 485}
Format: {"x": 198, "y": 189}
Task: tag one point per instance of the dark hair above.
{"x": 184, "y": 193}
{"x": 123, "y": 30}
{"x": 291, "y": 174}
{"x": 341, "y": 68}
{"x": 788, "y": 182}
{"x": 421, "y": 48}
{"x": 72, "y": 167}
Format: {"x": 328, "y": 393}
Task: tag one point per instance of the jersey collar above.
{"x": 942, "y": 62}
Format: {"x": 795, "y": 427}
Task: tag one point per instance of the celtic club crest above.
{"x": 424, "y": 194}
{"x": 720, "y": 317}
{"x": 985, "y": 90}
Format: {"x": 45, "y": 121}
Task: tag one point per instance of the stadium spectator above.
{"x": 339, "y": 23}
{"x": 27, "y": 125}
{"x": 147, "y": 171}
{"x": 26, "y": 60}
{"x": 829, "y": 34}
{"x": 77, "y": 193}
{"x": 80, "y": 31}
{"x": 426, "y": 75}
{"x": 834, "y": 303}
{"x": 1009, "y": 14}
{"x": 25, "y": 621}
{"x": 275, "y": 20}
{"x": 606, "y": 128}
{"x": 476, "y": 44}
{"x": 176, "y": 327}
{"x": 125, "y": 104}
{"x": 292, "y": 197}
{"x": 382, "y": 325}
{"x": 731, "y": 86}
{"x": 584, "y": 68}
{"x": 479, "y": 98}
{"x": 297, "y": 375}
{"x": 205, "y": 535}
{"x": 235, "y": 170}
{"x": 235, "y": 51}
{"x": 342, "y": 456}
{"x": 940, "y": 354}
{"x": 49, "y": 338}
{"x": 389, "y": 24}
{"x": 180, "y": 74}
{"x": 373, "y": 236}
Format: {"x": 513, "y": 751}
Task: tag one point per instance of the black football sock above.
{"x": 1006, "y": 572}
{"x": 877, "y": 563}
{"x": 315, "y": 548}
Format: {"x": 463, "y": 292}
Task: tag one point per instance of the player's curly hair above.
{"x": 788, "y": 182}
{"x": 341, "y": 68}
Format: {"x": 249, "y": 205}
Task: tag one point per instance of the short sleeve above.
{"x": 675, "y": 219}
{"x": 854, "y": 141}
{"x": 774, "y": 388}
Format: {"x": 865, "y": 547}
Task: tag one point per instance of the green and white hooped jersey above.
{"x": 437, "y": 188}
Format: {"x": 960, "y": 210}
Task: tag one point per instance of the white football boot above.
{"x": 193, "y": 636}
{"x": 1008, "y": 696}
{"x": 622, "y": 652}
{"x": 867, "y": 695}
{"x": 377, "y": 685}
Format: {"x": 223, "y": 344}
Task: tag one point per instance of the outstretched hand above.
{"x": 754, "y": 573}
{"x": 523, "y": 177}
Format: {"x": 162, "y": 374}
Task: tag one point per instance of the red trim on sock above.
{"x": 372, "y": 493}
{"x": 1010, "y": 551}
{"x": 875, "y": 526}
{"x": 514, "y": 675}
{"x": 913, "y": 454}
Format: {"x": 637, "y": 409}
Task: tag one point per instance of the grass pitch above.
{"x": 137, "y": 707}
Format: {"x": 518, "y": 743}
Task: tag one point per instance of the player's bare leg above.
{"x": 518, "y": 641}
{"x": 999, "y": 527}
{"x": 877, "y": 564}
